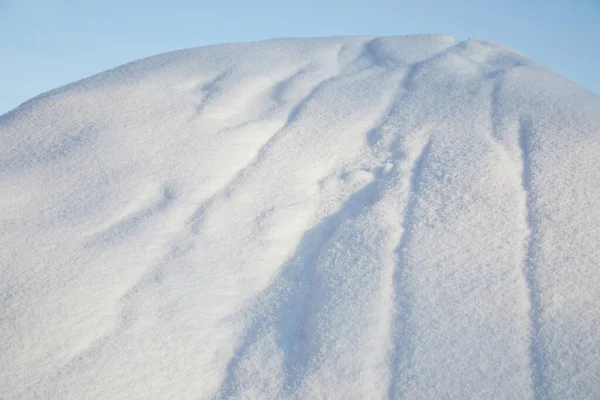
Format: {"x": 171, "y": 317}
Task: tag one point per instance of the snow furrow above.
{"x": 537, "y": 355}
{"x": 400, "y": 352}
{"x": 496, "y": 86}
{"x": 182, "y": 214}
{"x": 284, "y": 306}
{"x": 210, "y": 89}
{"x": 282, "y": 310}
{"x": 259, "y": 155}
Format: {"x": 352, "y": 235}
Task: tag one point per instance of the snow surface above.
{"x": 343, "y": 218}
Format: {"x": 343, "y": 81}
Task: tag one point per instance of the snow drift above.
{"x": 343, "y": 218}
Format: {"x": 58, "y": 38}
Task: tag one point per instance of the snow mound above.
{"x": 341, "y": 218}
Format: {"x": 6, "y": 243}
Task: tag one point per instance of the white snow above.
{"x": 344, "y": 218}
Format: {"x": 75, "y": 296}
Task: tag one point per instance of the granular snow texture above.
{"x": 342, "y": 218}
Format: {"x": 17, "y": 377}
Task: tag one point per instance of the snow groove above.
{"x": 370, "y": 53}
{"x": 259, "y": 156}
{"x": 210, "y": 89}
{"x": 536, "y": 343}
{"x": 283, "y": 307}
{"x": 285, "y": 304}
{"x": 194, "y": 219}
{"x": 496, "y": 82}
{"x": 125, "y": 225}
{"x": 400, "y": 352}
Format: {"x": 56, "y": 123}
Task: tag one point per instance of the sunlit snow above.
{"x": 343, "y": 218}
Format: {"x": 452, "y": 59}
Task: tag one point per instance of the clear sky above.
{"x": 48, "y": 43}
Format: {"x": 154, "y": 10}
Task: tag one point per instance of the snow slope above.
{"x": 344, "y": 218}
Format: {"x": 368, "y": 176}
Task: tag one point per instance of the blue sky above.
{"x": 48, "y": 43}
